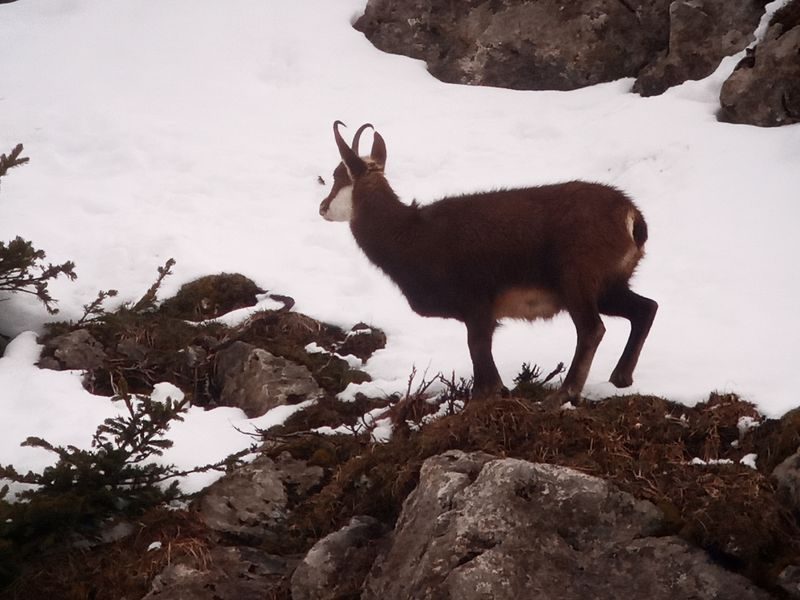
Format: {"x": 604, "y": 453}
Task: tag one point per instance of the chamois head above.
{"x": 338, "y": 206}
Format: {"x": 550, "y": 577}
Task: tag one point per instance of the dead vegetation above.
{"x": 643, "y": 444}
{"x": 120, "y": 569}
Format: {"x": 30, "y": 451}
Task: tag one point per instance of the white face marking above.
{"x": 341, "y": 207}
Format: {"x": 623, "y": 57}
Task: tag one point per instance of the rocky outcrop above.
{"x": 522, "y": 45}
{"x": 764, "y": 89}
{"x": 480, "y": 527}
{"x": 251, "y": 504}
{"x": 256, "y": 381}
{"x": 701, "y": 34}
{"x": 551, "y": 45}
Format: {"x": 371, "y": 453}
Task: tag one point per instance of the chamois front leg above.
{"x": 486, "y": 379}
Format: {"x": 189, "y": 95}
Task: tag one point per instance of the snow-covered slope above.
{"x": 196, "y": 129}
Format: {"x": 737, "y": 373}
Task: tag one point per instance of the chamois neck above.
{"x": 374, "y": 201}
{"x": 379, "y": 218}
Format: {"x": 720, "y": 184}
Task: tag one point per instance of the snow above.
{"x": 749, "y": 460}
{"x": 711, "y": 461}
{"x": 196, "y": 130}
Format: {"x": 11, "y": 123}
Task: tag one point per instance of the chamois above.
{"x": 523, "y": 253}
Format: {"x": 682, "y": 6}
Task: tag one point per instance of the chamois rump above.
{"x": 525, "y": 253}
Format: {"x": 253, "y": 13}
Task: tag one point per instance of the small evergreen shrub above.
{"x": 22, "y": 267}
{"x": 71, "y": 500}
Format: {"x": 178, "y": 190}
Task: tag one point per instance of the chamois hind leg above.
{"x": 621, "y": 301}
{"x": 486, "y": 379}
{"x": 590, "y": 330}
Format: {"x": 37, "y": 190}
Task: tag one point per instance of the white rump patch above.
{"x": 629, "y": 222}
{"x": 341, "y": 207}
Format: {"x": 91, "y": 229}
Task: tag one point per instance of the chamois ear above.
{"x": 378, "y": 153}
{"x": 351, "y": 160}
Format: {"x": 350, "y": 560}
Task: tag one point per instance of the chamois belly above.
{"x": 527, "y": 303}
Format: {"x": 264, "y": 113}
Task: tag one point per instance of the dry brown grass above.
{"x": 643, "y": 444}
{"x": 122, "y": 569}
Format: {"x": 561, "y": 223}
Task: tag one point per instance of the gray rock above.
{"x": 787, "y": 475}
{"x": 764, "y": 89}
{"x": 337, "y": 564}
{"x": 789, "y": 581}
{"x": 251, "y": 504}
{"x": 481, "y": 528}
{"x": 75, "y": 350}
{"x": 257, "y": 381}
{"x": 228, "y": 573}
{"x": 701, "y": 34}
{"x": 540, "y": 45}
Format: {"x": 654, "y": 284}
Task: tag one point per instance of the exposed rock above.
{"x": 789, "y": 581}
{"x": 701, "y": 34}
{"x": 562, "y": 46}
{"x": 251, "y": 504}
{"x": 337, "y": 564}
{"x": 229, "y": 573}
{"x": 787, "y": 474}
{"x": 256, "y": 381}
{"x": 75, "y": 350}
{"x": 522, "y": 45}
{"x": 506, "y": 528}
{"x": 765, "y": 87}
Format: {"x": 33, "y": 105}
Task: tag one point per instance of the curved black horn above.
{"x": 344, "y": 149}
{"x": 357, "y": 136}
{"x": 350, "y": 158}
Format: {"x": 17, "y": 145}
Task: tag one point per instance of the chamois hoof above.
{"x": 621, "y": 380}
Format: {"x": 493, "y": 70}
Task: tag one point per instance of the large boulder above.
{"x": 701, "y": 34}
{"x": 544, "y": 45}
{"x": 764, "y": 89}
{"x": 479, "y": 527}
